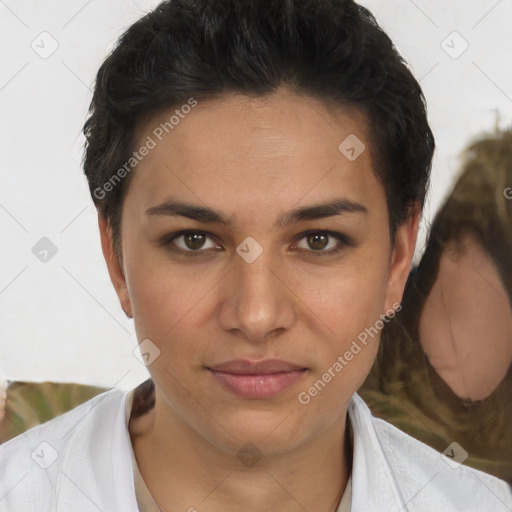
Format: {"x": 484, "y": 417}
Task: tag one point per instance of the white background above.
{"x": 61, "y": 320}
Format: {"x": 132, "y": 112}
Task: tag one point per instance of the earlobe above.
{"x": 114, "y": 267}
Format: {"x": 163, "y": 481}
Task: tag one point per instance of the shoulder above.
{"x": 35, "y": 464}
{"x": 423, "y": 476}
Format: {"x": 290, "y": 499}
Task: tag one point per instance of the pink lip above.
{"x": 262, "y": 379}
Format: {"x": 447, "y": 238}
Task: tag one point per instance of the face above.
{"x": 466, "y": 323}
{"x": 254, "y": 253}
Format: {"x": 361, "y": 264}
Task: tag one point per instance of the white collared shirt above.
{"x": 145, "y": 500}
{"x": 82, "y": 461}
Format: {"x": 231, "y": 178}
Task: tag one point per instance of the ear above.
{"x": 401, "y": 258}
{"x": 113, "y": 264}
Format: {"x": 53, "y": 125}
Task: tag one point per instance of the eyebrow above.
{"x": 209, "y": 215}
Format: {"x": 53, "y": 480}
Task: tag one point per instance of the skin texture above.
{"x": 254, "y": 159}
{"x": 466, "y": 323}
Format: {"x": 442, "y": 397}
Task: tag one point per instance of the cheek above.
{"x": 167, "y": 307}
{"x": 344, "y": 311}
{"x": 345, "y": 320}
{"x": 160, "y": 298}
{"x": 348, "y": 298}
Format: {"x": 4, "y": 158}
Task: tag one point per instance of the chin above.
{"x": 271, "y": 432}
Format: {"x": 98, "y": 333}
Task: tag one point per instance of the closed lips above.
{"x": 266, "y": 367}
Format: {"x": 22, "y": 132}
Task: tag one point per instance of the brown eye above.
{"x": 317, "y": 241}
{"x": 189, "y": 242}
{"x": 323, "y": 243}
{"x": 194, "y": 240}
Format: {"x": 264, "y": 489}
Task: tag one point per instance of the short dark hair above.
{"x": 331, "y": 50}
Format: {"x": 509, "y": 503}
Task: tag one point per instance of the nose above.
{"x": 258, "y": 304}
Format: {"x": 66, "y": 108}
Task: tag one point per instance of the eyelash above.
{"x": 344, "y": 241}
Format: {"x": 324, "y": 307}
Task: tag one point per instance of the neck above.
{"x": 185, "y": 471}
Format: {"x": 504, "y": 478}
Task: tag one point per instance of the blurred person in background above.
{"x": 443, "y": 373}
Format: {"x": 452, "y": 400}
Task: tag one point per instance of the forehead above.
{"x": 276, "y": 148}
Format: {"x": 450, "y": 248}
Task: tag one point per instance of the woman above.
{"x": 259, "y": 170}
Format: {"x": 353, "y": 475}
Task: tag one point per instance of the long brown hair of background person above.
{"x": 404, "y": 388}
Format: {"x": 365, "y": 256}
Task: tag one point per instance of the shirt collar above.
{"x": 371, "y": 486}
